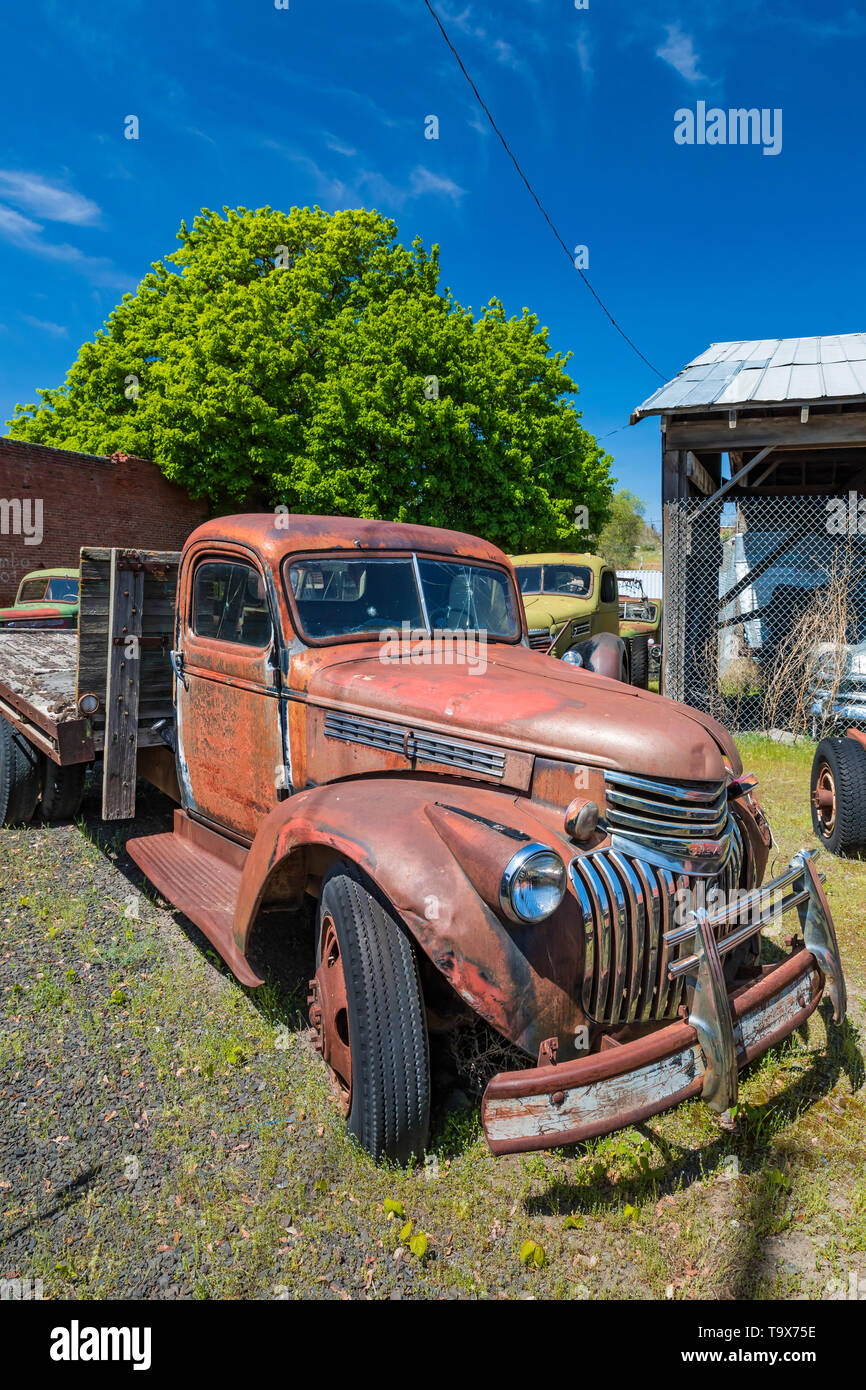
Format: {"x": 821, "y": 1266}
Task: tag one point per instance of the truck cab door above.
{"x": 608, "y": 602}
{"x": 229, "y": 735}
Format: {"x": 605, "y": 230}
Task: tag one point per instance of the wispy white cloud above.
{"x": 26, "y": 235}
{"x": 679, "y": 51}
{"x": 425, "y": 181}
{"x": 338, "y": 147}
{"x": 49, "y": 200}
{"x": 583, "y": 50}
{"x": 57, "y": 330}
{"x": 367, "y": 183}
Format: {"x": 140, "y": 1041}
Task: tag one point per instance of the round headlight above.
{"x": 88, "y": 704}
{"x": 573, "y": 658}
{"x": 533, "y": 884}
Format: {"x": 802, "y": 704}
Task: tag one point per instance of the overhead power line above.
{"x": 537, "y": 200}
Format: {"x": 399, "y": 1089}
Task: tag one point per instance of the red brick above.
{"x": 88, "y": 500}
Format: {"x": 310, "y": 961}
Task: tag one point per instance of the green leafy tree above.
{"x": 311, "y": 360}
{"x": 619, "y": 537}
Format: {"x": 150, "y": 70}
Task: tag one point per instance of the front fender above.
{"x": 439, "y": 867}
{"x": 603, "y": 653}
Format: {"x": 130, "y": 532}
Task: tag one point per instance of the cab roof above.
{"x": 556, "y": 557}
{"x": 275, "y": 535}
{"x": 49, "y": 574}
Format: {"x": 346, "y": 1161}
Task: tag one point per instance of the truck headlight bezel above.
{"x": 534, "y": 870}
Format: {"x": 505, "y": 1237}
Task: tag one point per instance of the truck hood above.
{"x": 545, "y": 610}
{"x": 521, "y": 700}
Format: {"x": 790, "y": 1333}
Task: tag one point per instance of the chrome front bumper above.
{"x": 544, "y": 1107}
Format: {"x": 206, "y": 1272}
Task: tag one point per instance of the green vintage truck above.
{"x": 572, "y": 610}
{"x": 640, "y": 627}
{"x": 45, "y": 598}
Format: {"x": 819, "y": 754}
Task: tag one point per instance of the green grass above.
{"x": 260, "y": 1194}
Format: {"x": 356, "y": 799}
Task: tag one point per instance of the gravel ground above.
{"x": 169, "y": 1134}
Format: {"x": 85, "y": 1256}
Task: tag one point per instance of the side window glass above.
{"x": 608, "y": 587}
{"x": 229, "y": 603}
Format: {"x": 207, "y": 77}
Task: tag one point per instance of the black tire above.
{"x": 19, "y": 776}
{"x": 62, "y": 790}
{"x": 390, "y": 1102}
{"x": 639, "y": 650}
{"x": 839, "y": 766}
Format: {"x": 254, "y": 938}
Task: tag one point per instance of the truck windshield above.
{"x": 639, "y": 611}
{"x": 574, "y": 580}
{"x": 63, "y": 590}
{"x": 31, "y": 591}
{"x": 337, "y": 597}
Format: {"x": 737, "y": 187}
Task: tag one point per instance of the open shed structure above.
{"x": 763, "y": 459}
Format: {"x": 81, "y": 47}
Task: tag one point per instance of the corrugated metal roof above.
{"x": 769, "y": 371}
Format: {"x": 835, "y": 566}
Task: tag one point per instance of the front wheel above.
{"x": 838, "y": 794}
{"x": 367, "y": 1011}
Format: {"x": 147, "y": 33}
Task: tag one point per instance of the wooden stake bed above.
{"x": 120, "y": 654}
{"x": 126, "y": 632}
{"x": 37, "y": 693}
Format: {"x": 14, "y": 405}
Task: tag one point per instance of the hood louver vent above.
{"x": 414, "y": 745}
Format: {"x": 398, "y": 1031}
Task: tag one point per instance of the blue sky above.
{"x": 240, "y": 103}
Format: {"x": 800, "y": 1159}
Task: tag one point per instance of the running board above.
{"x": 199, "y": 871}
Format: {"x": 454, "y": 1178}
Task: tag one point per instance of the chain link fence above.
{"x": 766, "y": 611}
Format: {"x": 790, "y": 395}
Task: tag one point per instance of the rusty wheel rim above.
{"x": 825, "y": 800}
{"x": 329, "y": 1013}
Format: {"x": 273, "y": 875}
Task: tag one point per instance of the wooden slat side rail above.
{"x": 123, "y": 664}
{"x": 157, "y": 629}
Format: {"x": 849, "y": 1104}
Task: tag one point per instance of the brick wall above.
{"x": 86, "y": 500}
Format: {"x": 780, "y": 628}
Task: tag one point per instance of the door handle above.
{"x": 176, "y": 658}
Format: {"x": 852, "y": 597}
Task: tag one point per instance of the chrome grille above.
{"x": 628, "y": 905}
{"x": 414, "y": 745}
{"x": 539, "y": 639}
{"x": 682, "y": 826}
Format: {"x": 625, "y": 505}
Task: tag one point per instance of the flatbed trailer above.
{"x": 104, "y": 692}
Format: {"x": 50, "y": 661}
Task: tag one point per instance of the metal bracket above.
{"x": 176, "y": 659}
{"x": 819, "y": 935}
{"x": 711, "y": 1019}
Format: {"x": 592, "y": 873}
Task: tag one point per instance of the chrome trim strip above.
{"x": 601, "y": 978}
{"x": 637, "y": 933}
{"x": 618, "y": 947}
{"x": 687, "y": 813}
{"x": 695, "y": 792}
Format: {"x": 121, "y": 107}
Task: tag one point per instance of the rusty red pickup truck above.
{"x": 349, "y": 714}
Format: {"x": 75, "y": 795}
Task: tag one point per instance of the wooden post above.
{"x": 126, "y": 591}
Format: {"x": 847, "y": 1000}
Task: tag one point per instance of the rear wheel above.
{"x": 19, "y": 776}
{"x": 62, "y": 790}
{"x": 367, "y": 1011}
{"x": 838, "y": 794}
{"x": 639, "y": 648}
